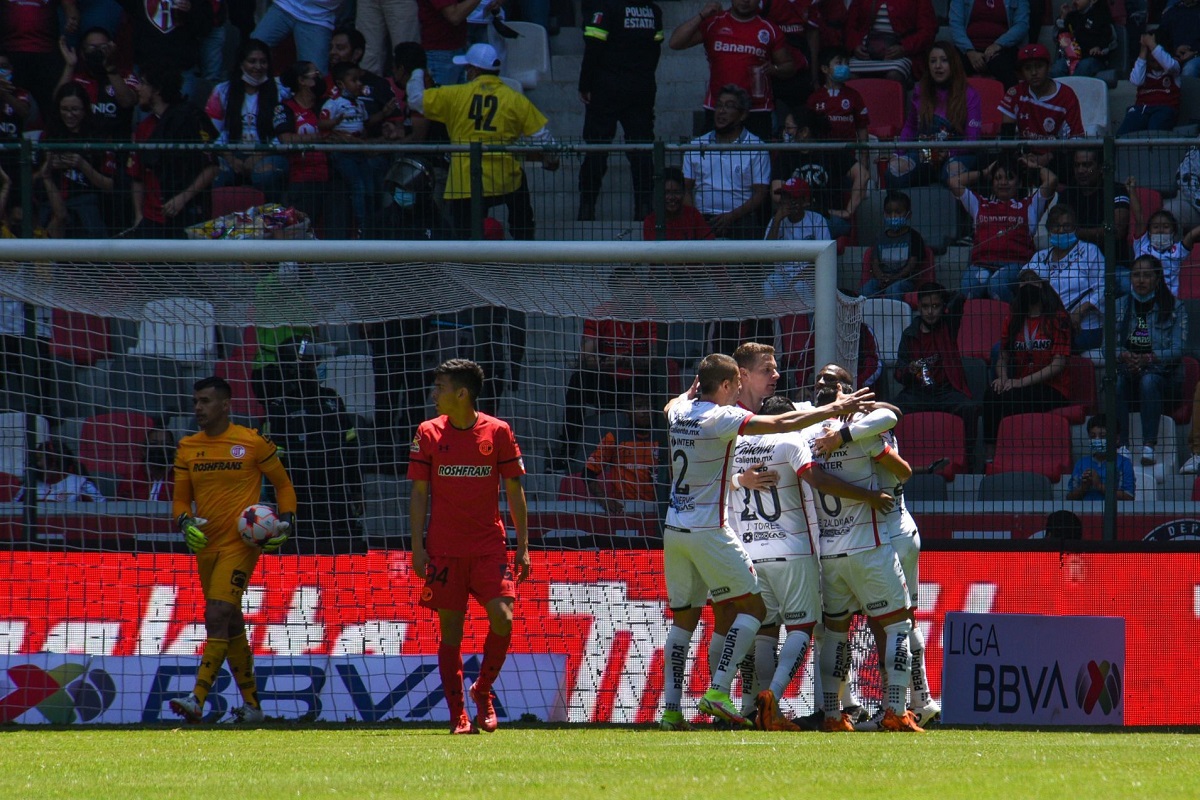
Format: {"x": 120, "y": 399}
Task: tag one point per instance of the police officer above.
{"x": 622, "y": 43}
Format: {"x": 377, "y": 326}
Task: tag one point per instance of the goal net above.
{"x": 328, "y": 348}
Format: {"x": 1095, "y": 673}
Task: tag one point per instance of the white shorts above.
{"x": 871, "y": 581}
{"x": 908, "y": 550}
{"x": 705, "y": 562}
{"x": 791, "y": 590}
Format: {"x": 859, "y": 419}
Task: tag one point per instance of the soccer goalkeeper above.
{"x": 221, "y": 469}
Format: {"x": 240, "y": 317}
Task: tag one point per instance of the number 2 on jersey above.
{"x": 680, "y": 486}
{"x": 483, "y": 111}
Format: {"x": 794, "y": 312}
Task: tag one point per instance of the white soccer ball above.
{"x": 257, "y": 524}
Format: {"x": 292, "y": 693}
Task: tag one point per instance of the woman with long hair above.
{"x": 78, "y": 178}
{"x": 944, "y": 108}
{"x": 309, "y": 174}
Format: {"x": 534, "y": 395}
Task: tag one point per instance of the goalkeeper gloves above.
{"x": 192, "y": 535}
{"x": 282, "y": 528}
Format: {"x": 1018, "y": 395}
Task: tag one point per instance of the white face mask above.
{"x": 249, "y": 80}
{"x": 1161, "y": 241}
{"x": 1099, "y": 445}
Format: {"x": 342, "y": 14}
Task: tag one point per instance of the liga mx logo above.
{"x": 1098, "y": 684}
{"x": 63, "y": 694}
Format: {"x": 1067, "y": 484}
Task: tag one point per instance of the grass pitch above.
{"x": 580, "y": 762}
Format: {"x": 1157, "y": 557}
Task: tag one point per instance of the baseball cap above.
{"x": 797, "y": 188}
{"x": 481, "y": 56}
{"x": 1033, "y": 52}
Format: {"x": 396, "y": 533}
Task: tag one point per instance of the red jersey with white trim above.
{"x": 702, "y": 437}
{"x": 1003, "y": 228}
{"x": 1053, "y": 117}
{"x": 735, "y": 48}
{"x": 1157, "y": 81}
{"x": 778, "y": 522}
{"x": 464, "y": 469}
{"x": 847, "y": 526}
{"x": 844, "y": 111}
{"x": 30, "y": 26}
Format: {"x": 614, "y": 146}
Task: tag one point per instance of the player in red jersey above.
{"x": 1040, "y": 107}
{"x": 458, "y": 459}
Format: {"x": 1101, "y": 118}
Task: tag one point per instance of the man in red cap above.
{"x": 792, "y": 218}
{"x": 1039, "y": 107}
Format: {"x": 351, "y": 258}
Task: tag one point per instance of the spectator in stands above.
{"x": 681, "y": 222}
{"x": 885, "y": 38}
{"x": 1161, "y": 239}
{"x": 280, "y": 298}
{"x": 383, "y": 21}
{"x": 898, "y": 255}
{"x": 444, "y": 36}
{"x": 79, "y": 178}
{"x": 112, "y": 93}
{"x": 793, "y": 221}
{"x": 168, "y": 37}
{"x": 801, "y": 27}
{"x": 870, "y": 365}
{"x": 1156, "y": 74}
{"x": 61, "y": 478}
{"x": 836, "y": 178}
{"x": 1063, "y": 525}
{"x": 309, "y": 175}
{"x": 624, "y": 467}
{"x": 12, "y": 214}
{"x": 376, "y": 95}
{"x": 1090, "y": 474}
{"x": 1183, "y": 21}
{"x": 743, "y": 50}
{"x": 1192, "y": 465}
{"x": 1040, "y": 107}
{"x": 29, "y": 31}
{"x": 17, "y": 110}
{"x": 988, "y": 33}
{"x": 1085, "y": 195}
{"x": 1031, "y": 366}
{"x": 841, "y": 108}
{"x": 1151, "y": 329}
{"x": 170, "y": 189}
{"x": 155, "y": 480}
{"x": 516, "y": 118}
{"x": 362, "y": 171}
{"x": 247, "y": 109}
{"x": 729, "y": 187}
{"x": 308, "y": 22}
{"x": 319, "y": 443}
{"x": 622, "y": 42}
{"x": 1085, "y": 38}
{"x": 405, "y": 124}
{"x": 929, "y": 364}
{"x": 1075, "y": 270}
{"x": 409, "y": 210}
{"x": 1004, "y": 224}
{"x": 944, "y": 108}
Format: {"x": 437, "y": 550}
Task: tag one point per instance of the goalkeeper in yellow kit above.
{"x": 221, "y": 469}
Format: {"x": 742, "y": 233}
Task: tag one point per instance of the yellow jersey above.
{"x": 223, "y": 474}
{"x": 484, "y": 110}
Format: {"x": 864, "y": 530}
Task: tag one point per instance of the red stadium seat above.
{"x": 572, "y": 487}
{"x": 991, "y": 92}
{"x": 1189, "y": 277}
{"x": 1182, "y": 414}
{"x": 926, "y": 436}
{"x": 228, "y": 199}
{"x": 10, "y": 485}
{"x": 982, "y": 327}
{"x": 237, "y": 370}
{"x": 79, "y": 338}
{"x": 114, "y": 443}
{"x": 1083, "y": 391}
{"x": 1038, "y": 443}
{"x": 1151, "y": 201}
{"x": 1196, "y": 489}
{"x": 926, "y": 272}
{"x": 884, "y": 100}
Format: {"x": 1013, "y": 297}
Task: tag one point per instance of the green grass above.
{"x": 583, "y": 762}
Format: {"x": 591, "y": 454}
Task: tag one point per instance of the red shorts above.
{"x": 448, "y": 581}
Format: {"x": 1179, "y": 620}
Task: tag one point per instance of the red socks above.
{"x": 450, "y": 666}
{"x": 495, "y": 650}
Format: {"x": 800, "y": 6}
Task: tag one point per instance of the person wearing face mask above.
{"x": 1161, "y": 239}
{"x": 113, "y": 92}
{"x": 156, "y": 479}
{"x": 1151, "y": 329}
{"x": 842, "y": 107}
{"x": 1092, "y": 472}
{"x": 837, "y": 179}
{"x": 1075, "y": 270}
{"x": 409, "y": 211}
{"x": 898, "y": 255}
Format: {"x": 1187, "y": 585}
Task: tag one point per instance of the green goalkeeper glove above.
{"x": 282, "y": 529}
{"x": 192, "y": 535}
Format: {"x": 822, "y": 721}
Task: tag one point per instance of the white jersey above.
{"x": 847, "y": 526}
{"x": 776, "y": 523}
{"x": 702, "y": 437}
{"x": 899, "y": 522}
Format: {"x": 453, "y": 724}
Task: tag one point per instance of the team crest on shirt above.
{"x": 415, "y": 447}
{"x": 845, "y": 104}
{"x": 237, "y": 451}
{"x": 764, "y": 37}
{"x": 1048, "y": 124}
{"x": 485, "y": 448}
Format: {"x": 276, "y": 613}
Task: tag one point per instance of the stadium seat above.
{"x": 1196, "y": 488}
{"x": 795, "y": 332}
{"x": 1083, "y": 391}
{"x": 991, "y": 92}
{"x": 573, "y": 487}
{"x": 114, "y": 443}
{"x": 927, "y": 269}
{"x": 1038, "y": 443}
{"x": 353, "y": 378}
{"x": 1154, "y": 167}
{"x": 887, "y": 319}
{"x": 1093, "y": 102}
{"x": 982, "y": 328}
{"x": 13, "y": 441}
{"x": 1182, "y": 413}
{"x": 237, "y": 369}
{"x": 1010, "y": 486}
{"x": 10, "y": 485}
{"x": 1189, "y": 280}
{"x": 925, "y": 488}
{"x": 884, "y": 100}
{"x": 79, "y": 338}
{"x": 926, "y": 436}
{"x": 155, "y": 386}
{"x": 228, "y": 199}
{"x": 527, "y": 57}
{"x": 179, "y": 328}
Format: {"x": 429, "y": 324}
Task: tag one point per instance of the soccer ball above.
{"x": 257, "y": 524}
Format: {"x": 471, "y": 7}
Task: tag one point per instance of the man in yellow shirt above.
{"x": 485, "y": 110}
{"x": 221, "y": 469}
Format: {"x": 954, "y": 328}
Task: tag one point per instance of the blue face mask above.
{"x": 895, "y": 223}
{"x": 1063, "y": 241}
{"x": 1142, "y": 298}
{"x": 404, "y": 199}
{"x": 840, "y": 73}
